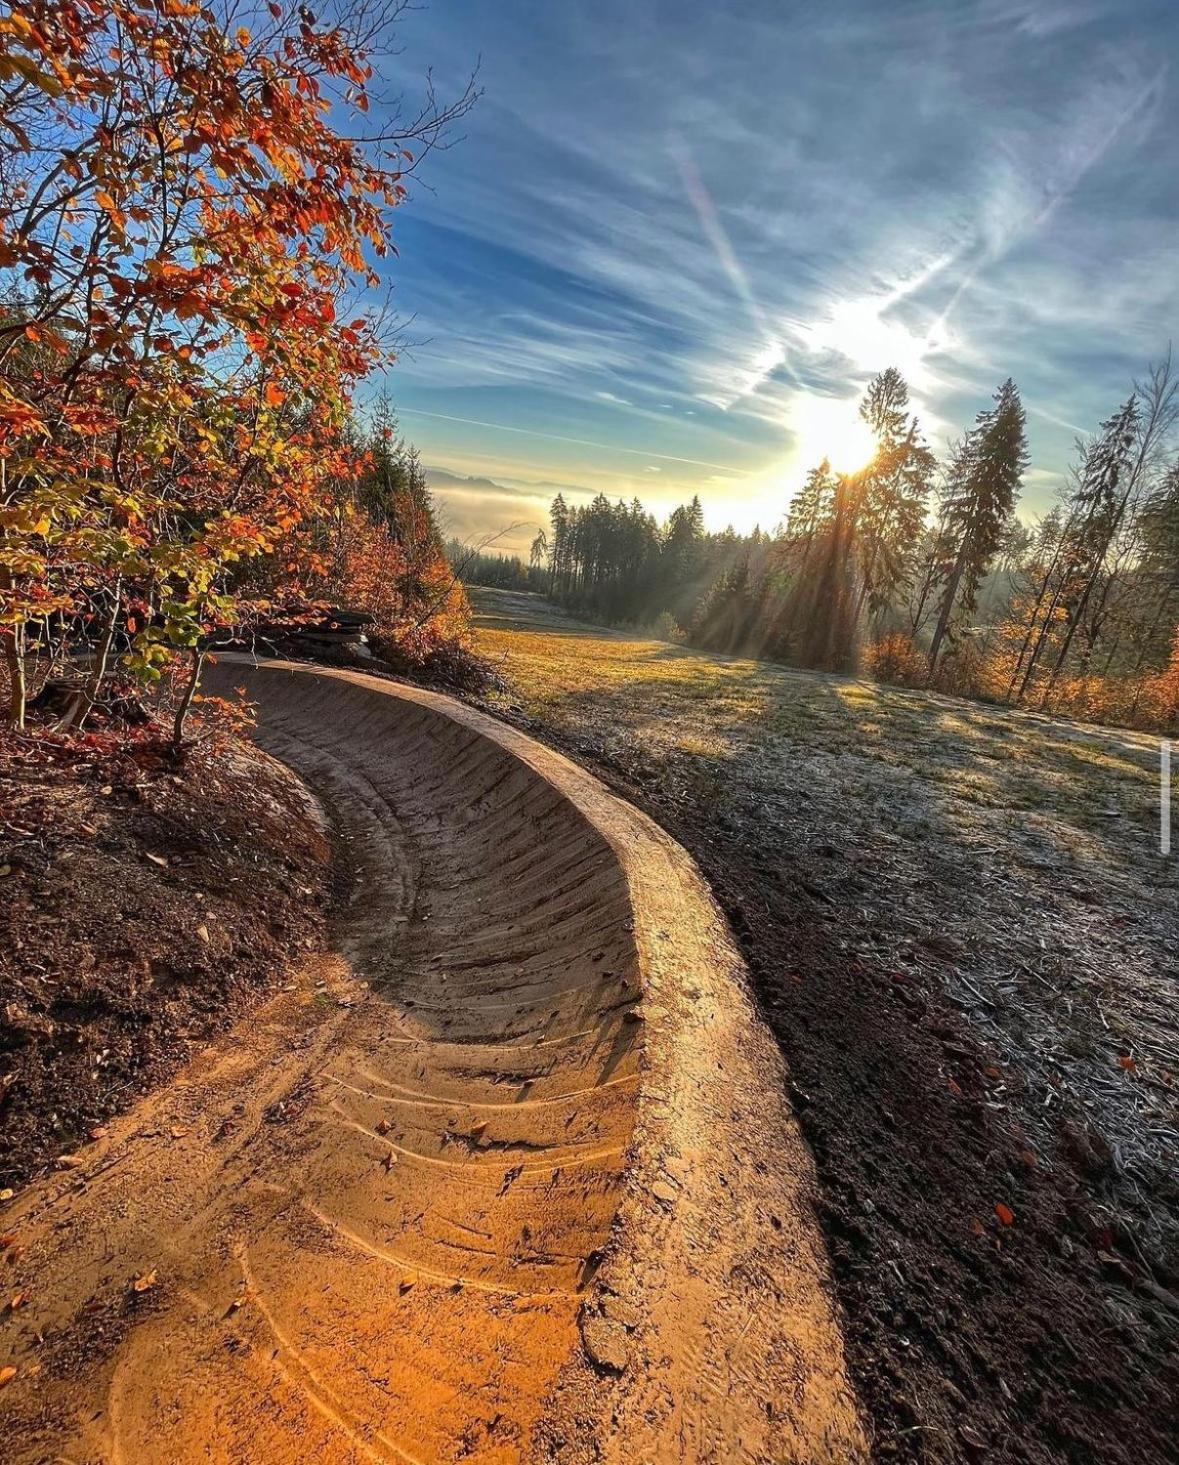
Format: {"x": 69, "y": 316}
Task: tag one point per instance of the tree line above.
{"x": 917, "y": 568}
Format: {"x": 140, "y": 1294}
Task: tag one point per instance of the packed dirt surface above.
{"x": 962, "y": 932}
{"x": 145, "y": 903}
{"x": 509, "y": 1175}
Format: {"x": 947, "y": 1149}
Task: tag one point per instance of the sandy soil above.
{"x": 509, "y": 1175}
{"x": 963, "y": 935}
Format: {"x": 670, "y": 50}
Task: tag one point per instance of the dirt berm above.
{"x": 509, "y": 1175}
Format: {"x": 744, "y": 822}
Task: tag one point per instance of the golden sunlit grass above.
{"x": 669, "y": 699}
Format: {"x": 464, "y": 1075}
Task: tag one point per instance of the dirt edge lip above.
{"x": 709, "y": 1324}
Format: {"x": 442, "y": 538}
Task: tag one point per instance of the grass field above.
{"x": 963, "y": 931}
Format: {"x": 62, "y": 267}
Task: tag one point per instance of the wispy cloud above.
{"x": 705, "y": 215}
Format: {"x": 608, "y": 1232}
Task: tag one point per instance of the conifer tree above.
{"x": 1093, "y": 520}
{"x": 982, "y": 486}
{"x": 890, "y": 506}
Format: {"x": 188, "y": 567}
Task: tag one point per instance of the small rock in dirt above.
{"x": 605, "y": 1343}
{"x": 664, "y": 1191}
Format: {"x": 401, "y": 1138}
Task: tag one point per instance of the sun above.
{"x": 827, "y": 427}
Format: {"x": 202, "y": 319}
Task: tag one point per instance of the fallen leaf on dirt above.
{"x": 6, "y": 1376}
{"x": 977, "y": 1228}
{"x": 178, "y": 1133}
{"x": 390, "y": 1160}
{"x": 1127, "y": 1063}
{"x": 1115, "y": 1263}
{"x": 144, "y": 1282}
{"x": 18, "y": 1300}
{"x": 203, "y": 933}
{"x": 971, "y": 1438}
{"x": 1004, "y": 1213}
{"x": 69, "y": 1162}
{"x": 383, "y": 1126}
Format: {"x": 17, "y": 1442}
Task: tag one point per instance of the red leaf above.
{"x": 1004, "y": 1213}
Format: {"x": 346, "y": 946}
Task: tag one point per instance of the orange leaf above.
{"x": 275, "y": 394}
{"x": 1004, "y": 1213}
{"x": 6, "y": 1376}
{"x": 1127, "y": 1063}
{"x": 145, "y": 1282}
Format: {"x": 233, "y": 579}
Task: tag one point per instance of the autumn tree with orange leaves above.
{"x": 190, "y": 194}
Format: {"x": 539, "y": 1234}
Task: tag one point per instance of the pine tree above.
{"x": 1098, "y": 507}
{"x": 891, "y": 497}
{"x": 810, "y": 508}
{"x": 559, "y": 564}
{"x": 982, "y": 486}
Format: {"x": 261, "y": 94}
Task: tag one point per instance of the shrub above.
{"x": 895, "y": 659}
{"x": 664, "y": 628}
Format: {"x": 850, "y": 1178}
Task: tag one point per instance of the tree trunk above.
{"x": 17, "y": 689}
{"x": 13, "y": 637}
{"x": 98, "y": 671}
{"x": 182, "y": 707}
{"x": 947, "y": 607}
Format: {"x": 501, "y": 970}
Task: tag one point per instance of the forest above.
{"x": 190, "y": 208}
{"x": 919, "y": 570}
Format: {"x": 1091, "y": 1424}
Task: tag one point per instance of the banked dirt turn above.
{"x": 508, "y": 1176}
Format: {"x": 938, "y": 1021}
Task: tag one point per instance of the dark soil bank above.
{"x": 144, "y": 905}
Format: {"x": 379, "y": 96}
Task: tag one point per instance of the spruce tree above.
{"x": 892, "y": 491}
{"x": 811, "y": 507}
{"x": 982, "y": 486}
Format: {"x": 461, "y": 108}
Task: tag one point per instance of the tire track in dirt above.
{"x": 520, "y": 1203}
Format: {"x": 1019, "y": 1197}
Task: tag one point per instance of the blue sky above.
{"x": 678, "y": 239}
